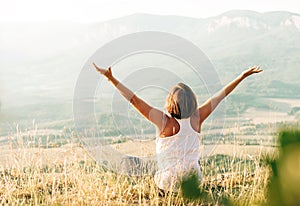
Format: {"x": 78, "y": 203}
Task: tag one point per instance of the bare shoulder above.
{"x": 171, "y": 127}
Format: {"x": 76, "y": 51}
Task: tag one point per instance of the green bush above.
{"x": 284, "y": 184}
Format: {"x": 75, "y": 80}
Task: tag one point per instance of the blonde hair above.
{"x": 181, "y": 101}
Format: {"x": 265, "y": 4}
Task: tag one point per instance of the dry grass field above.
{"x": 234, "y": 175}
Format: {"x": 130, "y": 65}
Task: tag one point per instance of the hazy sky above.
{"x": 101, "y": 10}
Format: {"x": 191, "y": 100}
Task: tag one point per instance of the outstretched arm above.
{"x": 209, "y": 106}
{"x": 155, "y": 116}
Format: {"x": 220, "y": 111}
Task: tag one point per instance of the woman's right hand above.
{"x": 105, "y": 72}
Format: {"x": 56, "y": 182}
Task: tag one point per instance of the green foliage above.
{"x": 289, "y": 138}
{"x": 190, "y": 187}
{"x": 283, "y": 188}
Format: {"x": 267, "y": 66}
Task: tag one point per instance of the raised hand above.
{"x": 252, "y": 70}
{"x": 105, "y": 72}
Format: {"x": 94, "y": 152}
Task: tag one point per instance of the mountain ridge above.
{"x": 231, "y": 43}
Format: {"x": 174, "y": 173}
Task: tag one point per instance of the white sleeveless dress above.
{"x": 177, "y": 155}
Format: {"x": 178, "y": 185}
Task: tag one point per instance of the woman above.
{"x": 177, "y": 144}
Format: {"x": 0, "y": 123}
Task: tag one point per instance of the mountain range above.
{"x": 40, "y": 62}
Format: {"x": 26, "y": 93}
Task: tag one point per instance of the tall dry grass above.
{"x": 65, "y": 175}
{"x": 229, "y": 180}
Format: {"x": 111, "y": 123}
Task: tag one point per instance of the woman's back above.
{"x": 177, "y": 155}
